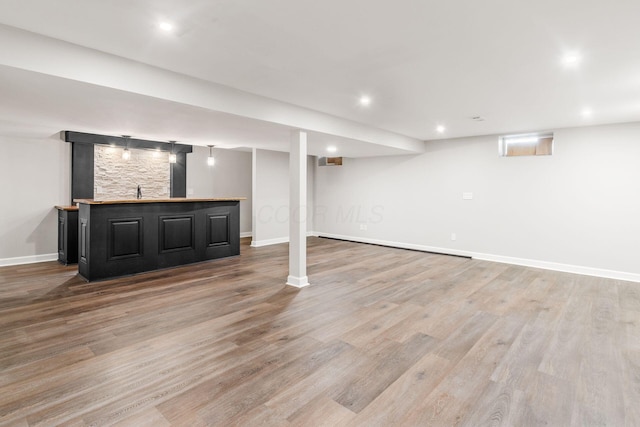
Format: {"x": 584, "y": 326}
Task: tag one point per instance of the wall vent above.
{"x": 330, "y": 161}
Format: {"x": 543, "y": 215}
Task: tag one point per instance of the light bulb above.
{"x": 166, "y": 26}
{"x": 173, "y": 158}
{"x": 571, "y": 60}
{"x": 126, "y": 154}
{"x": 211, "y": 160}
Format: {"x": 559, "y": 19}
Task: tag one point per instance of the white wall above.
{"x": 271, "y": 196}
{"x": 35, "y": 177}
{"x": 578, "y": 210}
{"x": 229, "y": 177}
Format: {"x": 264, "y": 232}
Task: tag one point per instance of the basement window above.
{"x": 532, "y": 144}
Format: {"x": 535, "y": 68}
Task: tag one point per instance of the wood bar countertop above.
{"x": 171, "y": 200}
{"x": 67, "y": 208}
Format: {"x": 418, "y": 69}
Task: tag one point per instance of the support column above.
{"x": 254, "y": 197}
{"x": 298, "y": 210}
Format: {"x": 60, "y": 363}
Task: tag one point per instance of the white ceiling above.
{"x": 422, "y": 62}
{"x": 63, "y": 104}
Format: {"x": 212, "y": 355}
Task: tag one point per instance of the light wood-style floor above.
{"x": 383, "y": 337}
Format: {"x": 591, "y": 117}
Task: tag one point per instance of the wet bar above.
{"x": 123, "y": 237}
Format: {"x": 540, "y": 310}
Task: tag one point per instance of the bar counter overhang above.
{"x": 122, "y": 237}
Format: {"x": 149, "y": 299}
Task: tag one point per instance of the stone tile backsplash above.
{"x": 116, "y": 178}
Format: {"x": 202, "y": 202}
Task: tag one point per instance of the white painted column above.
{"x": 298, "y": 210}
{"x": 254, "y": 193}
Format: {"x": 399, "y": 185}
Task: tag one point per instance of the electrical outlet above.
{"x": 467, "y": 196}
{"x": 363, "y": 227}
{"x": 453, "y": 236}
{"x": 190, "y": 191}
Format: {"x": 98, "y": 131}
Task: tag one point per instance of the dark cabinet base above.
{"x": 122, "y": 239}
{"x": 67, "y": 236}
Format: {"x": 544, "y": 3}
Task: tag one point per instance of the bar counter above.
{"x": 122, "y": 237}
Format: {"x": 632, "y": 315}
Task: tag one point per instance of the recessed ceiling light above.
{"x": 166, "y": 26}
{"x": 440, "y": 129}
{"x": 571, "y": 59}
{"x": 365, "y": 100}
{"x": 332, "y": 149}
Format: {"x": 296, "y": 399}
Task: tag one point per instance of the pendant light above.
{"x": 172, "y": 156}
{"x": 126, "y": 154}
{"x": 211, "y": 160}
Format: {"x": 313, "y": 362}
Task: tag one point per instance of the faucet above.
{"x": 139, "y": 193}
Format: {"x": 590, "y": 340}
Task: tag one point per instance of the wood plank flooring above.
{"x": 382, "y": 337}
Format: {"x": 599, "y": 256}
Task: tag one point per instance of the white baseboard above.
{"x": 298, "y": 282}
{"x": 268, "y": 242}
{"x": 545, "y": 265}
{"x": 276, "y": 241}
{"x": 32, "y": 259}
{"x": 566, "y": 268}
{"x": 401, "y": 245}
{"x": 246, "y": 234}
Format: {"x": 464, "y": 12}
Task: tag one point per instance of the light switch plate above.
{"x": 467, "y": 196}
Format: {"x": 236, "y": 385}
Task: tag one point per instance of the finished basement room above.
{"x": 319, "y": 213}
